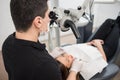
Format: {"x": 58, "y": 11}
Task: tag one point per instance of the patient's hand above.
{"x": 96, "y": 42}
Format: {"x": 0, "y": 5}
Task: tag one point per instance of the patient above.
{"x": 90, "y": 55}
{"x": 95, "y": 52}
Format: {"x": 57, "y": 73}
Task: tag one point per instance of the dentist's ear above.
{"x": 37, "y": 22}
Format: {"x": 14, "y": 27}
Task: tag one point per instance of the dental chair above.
{"x": 114, "y": 63}
{"x": 112, "y": 69}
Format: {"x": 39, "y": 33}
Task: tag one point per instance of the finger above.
{"x": 89, "y": 43}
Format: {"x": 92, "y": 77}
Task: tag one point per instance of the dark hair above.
{"x": 23, "y": 12}
{"x": 65, "y": 71}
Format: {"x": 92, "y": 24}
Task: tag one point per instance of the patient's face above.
{"x": 65, "y": 59}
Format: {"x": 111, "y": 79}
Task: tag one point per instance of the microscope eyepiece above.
{"x": 53, "y": 15}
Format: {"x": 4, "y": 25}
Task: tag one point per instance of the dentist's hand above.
{"x": 76, "y": 66}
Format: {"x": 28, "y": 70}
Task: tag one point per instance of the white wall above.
{"x": 102, "y": 11}
{"x": 6, "y": 24}
{"x": 70, "y": 4}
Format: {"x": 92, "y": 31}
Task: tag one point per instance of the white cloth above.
{"x": 92, "y": 60}
{"x": 56, "y": 52}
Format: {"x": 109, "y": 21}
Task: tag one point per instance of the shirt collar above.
{"x": 37, "y": 44}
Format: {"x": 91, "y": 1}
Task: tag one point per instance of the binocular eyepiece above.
{"x": 53, "y": 15}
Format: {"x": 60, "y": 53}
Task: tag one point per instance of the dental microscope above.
{"x": 68, "y": 18}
